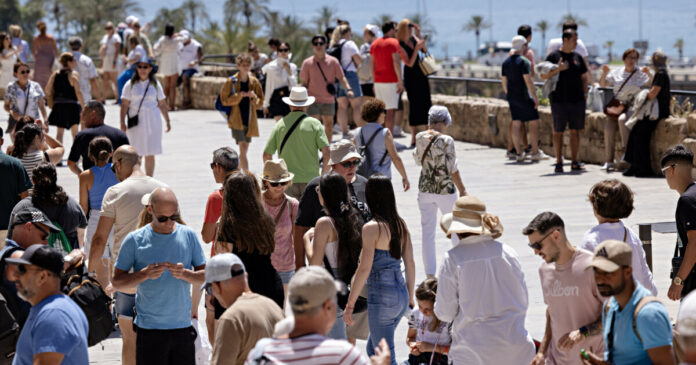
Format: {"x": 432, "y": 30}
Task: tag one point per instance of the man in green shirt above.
{"x": 297, "y": 138}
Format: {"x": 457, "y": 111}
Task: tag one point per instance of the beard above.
{"x": 608, "y": 290}
{"x": 23, "y": 292}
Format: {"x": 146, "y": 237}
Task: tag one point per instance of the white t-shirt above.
{"x": 421, "y": 324}
{"x": 87, "y": 71}
{"x": 617, "y": 77}
{"x": 349, "y": 49}
{"x": 311, "y": 349}
{"x": 109, "y": 42}
{"x": 187, "y": 54}
{"x": 556, "y": 43}
{"x": 138, "y": 54}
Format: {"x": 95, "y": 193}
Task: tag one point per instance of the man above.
{"x": 318, "y": 72}
{"x": 518, "y": 86}
{"x": 56, "y": 330}
{"x": 225, "y": 162}
{"x": 677, "y": 163}
{"x": 93, "y": 118}
{"x": 142, "y": 37}
{"x": 567, "y": 288}
{"x": 121, "y": 207}
{"x": 556, "y": 43}
{"x": 312, "y": 298}
{"x": 489, "y": 329}
{"x": 568, "y": 99}
{"x": 297, "y": 138}
{"x": 637, "y": 329}
{"x": 17, "y": 41}
{"x": 344, "y": 161}
{"x": 161, "y": 260}
{"x": 86, "y": 71}
{"x": 686, "y": 330}
{"x": 190, "y": 57}
{"x": 248, "y": 318}
{"x": 15, "y": 184}
{"x": 385, "y": 67}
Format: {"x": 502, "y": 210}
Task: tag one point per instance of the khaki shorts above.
{"x": 241, "y": 135}
{"x": 296, "y": 190}
{"x": 387, "y": 93}
{"x": 322, "y": 109}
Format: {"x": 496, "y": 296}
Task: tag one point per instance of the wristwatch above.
{"x": 678, "y": 281}
{"x": 585, "y": 331}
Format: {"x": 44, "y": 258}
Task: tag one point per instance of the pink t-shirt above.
{"x": 283, "y": 256}
{"x": 573, "y": 301}
{"x": 313, "y": 80}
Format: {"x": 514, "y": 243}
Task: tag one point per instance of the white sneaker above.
{"x": 511, "y": 155}
{"x": 609, "y": 166}
{"x": 521, "y": 157}
{"x": 398, "y": 132}
{"x": 539, "y": 156}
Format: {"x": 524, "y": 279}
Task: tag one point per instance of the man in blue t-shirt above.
{"x": 165, "y": 258}
{"x": 650, "y": 341}
{"x": 56, "y": 330}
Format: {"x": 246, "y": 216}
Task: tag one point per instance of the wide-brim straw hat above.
{"x": 277, "y": 171}
{"x": 469, "y": 216}
{"x": 299, "y": 97}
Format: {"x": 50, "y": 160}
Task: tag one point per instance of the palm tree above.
{"x": 572, "y": 18}
{"x": 248, "y": 9}
{"x": 679, "y": 45}
{"x": 164, "y": 16}
{"x": 476, "y": 24}
{"x": 381, "y": 19}
{"x": 608, "y": 45}
{"x": 195, "y": 9}
{"x": 542, "y": 26}
{"x": 86, "y": 18}
{"x": 426, "y": 27}
{"x": 325, "y": 18}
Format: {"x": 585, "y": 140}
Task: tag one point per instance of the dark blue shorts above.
{"x": 523, "y": 110}
{"x": 568, "y": 114}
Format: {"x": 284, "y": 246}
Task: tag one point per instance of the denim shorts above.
{"x": 125, "y": 305}
{"x": 285, "y": 276}
{"x": 354, "y": 83}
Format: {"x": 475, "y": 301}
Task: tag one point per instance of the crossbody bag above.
{"x": 615, "y": 107}
{"x": 133, "y": 121}
{"x": 292, "y": 129}
{"x": 330, "y": 87}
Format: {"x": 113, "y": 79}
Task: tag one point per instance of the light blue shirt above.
{"x": 163, "y": 303}
{"x": 26, "y": 50}
{"x": 652, "y": 323}
{"x": 56, "y": 324}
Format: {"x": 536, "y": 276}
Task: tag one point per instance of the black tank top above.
{"x": 62, "y": 90}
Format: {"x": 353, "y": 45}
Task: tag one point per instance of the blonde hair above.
{"x": 244, "y": 58}
{"x": 402, "y": 31}
{"x": 65, "y": 58}
{"x": 338, "y": 34}
{"x": 15, "y": 30}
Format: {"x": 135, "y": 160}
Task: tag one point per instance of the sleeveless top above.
{"x": 62, "y": 90}
{"x": 378, "y": 147}
{"x": 32, "y": 159}
{"x": 104, "y": 178}
{"x": 331, "y": 250}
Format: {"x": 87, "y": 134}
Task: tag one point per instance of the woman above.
{"x": 415, "y": 82}
{"x": 626, "y": 82}
{"x": 638, "y": 145}
{"x": 142, "y": 103}
{"x": 611, "y": 202}
{"x": 24, "y": 97}
{"x": 45, "y": 53}
{"x": 370, "y": 33}
{"x": 385, "y": 242}
{"x": 350, "y": 60}
{"x": 337, "y": 244}
{"x": 283, "y": 209}
{"x": 8, "y": 57}
{"x": 281, "y": 75}
{"x": 93, "y": 185}
{"x": 64, "y": 97}
{"x": 258, "y": 60}
{"x": 136, "y": 54}
{"x": 247, "y": 230}
{"x": 382, "y": 148}
{"x": 109, "y": 47}
{"x": 439, "y": 180}
{"x": 428, "y": 337}
{"x": 33, "y": 147}
{"x": 168, "y": 49}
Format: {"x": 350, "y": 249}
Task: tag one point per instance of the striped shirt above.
{"x": 32, "y": 159}
{"x": 311, "y": 349}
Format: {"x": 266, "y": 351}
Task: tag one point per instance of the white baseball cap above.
{"x": 518, "y": 42}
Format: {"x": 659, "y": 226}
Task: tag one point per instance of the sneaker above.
{"x": 511, "y": 155}
{"x": 558, "y": 168}
{"x": 609, "y": 166}
{"x": 348, "y": 135}
{"x": 520, "y": 157}
{"x": 539, "y": 156}
{"x": 398, "y": 133}
{"x": 577, "y": 166}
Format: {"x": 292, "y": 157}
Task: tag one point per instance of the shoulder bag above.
{"x": 330, "y": 87}
{"x": 292, "y": 129}
{"x": 427, "y": 64}
{"x": 133, "y": 121}
{"x": 615, "y": 108}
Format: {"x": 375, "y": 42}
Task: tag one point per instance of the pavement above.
{"x": 515, "y": 192}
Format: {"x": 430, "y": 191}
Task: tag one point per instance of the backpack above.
{"x": 336, "y": 50}
{"x": 59, "y": 240}
{"x": 225, "y": 110}
{"x": 86, "y": 291}
{"x": 9, "y": 333}
{"x": 366, "y": 169}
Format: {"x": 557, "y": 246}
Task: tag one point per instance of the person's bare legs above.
{"x": 523, "y": 136}
{"x": 517, "y": 136}
{"x": 342, "y": 116}
{"x": 398, "y": 118}
{"x": 327, "y": 121}
{"x": 415, "y": 129}
{"x": 243, "y": 161}
{"x": 128, "y": 341}
{"x": 558, "y": 146}
{"x": 510, "y": 139}
{"x": 610, "y": 126}
{"x": 109, "y": 85}
{"x": 534, "y": 135}
{"x": 59, "y": 134}
{"x": 574, "y": 143}
{"x": 150, "y": 165}
{"x": 171, "y": 93}
{"x": 389, "y": 120}
{"x": 74, "y": 129}
{"x": 186, "y": 82}
{"x": 356, "y": 103}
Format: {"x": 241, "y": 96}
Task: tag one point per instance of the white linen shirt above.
{"x": 277, "y": 77}
{"x": 615, "y": 231}
{"x": 86, "y": 71}
{"x": 187, "y": 54}
{"x": 482, "y": 291}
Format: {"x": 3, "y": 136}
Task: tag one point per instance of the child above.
{"x": 428, "y": 337}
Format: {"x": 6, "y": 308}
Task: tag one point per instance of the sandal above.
{"x": 576, "y": 166}
{"x": 559, "y": 167}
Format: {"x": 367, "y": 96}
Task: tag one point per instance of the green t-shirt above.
{"x": 300, "y": 151}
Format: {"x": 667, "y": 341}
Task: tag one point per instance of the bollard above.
{"x": 645, "y": 234}
{"x": 492, "y": 124}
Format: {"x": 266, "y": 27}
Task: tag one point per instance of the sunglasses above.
{"x": 43, "y": 231}
{"x": 164, "y": 218}
{"x": 537, "y": 245}
{"x": 283, "y": 50}
{"x": 113, "y": 165}
{"x": 144, "y": 67}
{"x": 23, "y": 269}
{"x": 318, "y": 43}
{"x": 212, "y": 165}
{"x": 276, "y": 184}
{"x": 664, "y": 169}
{"x": 233, "y": 273}
{"x": 24, "y": 72}
{"x": 349, "y": 164}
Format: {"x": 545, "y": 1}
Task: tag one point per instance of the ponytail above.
{"x": 24, "y": 138}
{"x": 100, "y": 150}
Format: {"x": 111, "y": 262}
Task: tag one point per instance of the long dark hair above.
{"x": 169, "y": 30}
{"x": 3, "y": 36}
{"x": 427, "y": 290}
{"x": 46, "y": 191}
{"x": 382, "y": 203}
{"x": 150, "y": 77}
{"x": 24, "y": 138}
{"x": 334, "y": 190}
{"x": 244, "y": 221}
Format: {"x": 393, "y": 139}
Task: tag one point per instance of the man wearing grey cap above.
{"x": 637, "y": 329}
{"x": 312, "y": 297}
{"x": 248, "y": 318}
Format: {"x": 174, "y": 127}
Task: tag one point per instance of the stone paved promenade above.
{"x": 514, "y": 192}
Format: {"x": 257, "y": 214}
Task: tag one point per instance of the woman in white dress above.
{"x": 167, "y": 48}
{"x": 281, "y": 75}
{"x": 8, "y": 57}
{"x": 108, "y": 52}
{"x": 142, "y": 100}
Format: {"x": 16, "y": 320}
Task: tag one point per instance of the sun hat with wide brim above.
{"x": 469, "y": 216}
{"x": 277, "y": 171}
{"x": 299, "y": 97}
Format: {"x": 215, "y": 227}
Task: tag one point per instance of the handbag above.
{"x": 133, "y": 121}
{"x": 615, "y": 108}
{"x": 330, "y": 87}
{"x": 428, "y": 64}
{"x": 342, "y": 296}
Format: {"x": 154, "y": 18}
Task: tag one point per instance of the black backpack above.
{"x": 335, "y": 51}
{"x": 9, "y": 333}
{"x": 86, "y": 291}
{"x": 366, "y": 169}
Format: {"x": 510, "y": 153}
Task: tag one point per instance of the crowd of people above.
{"x": 313, "y": 254}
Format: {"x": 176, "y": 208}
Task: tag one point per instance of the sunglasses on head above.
{"x": 164, "y": 218}
{"x": 283, "y": 50}
{"x": 537, "y": 245}
{"x": 349, "y": 164}
{"x": 276, "y": 184}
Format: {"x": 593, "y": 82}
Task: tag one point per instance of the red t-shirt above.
{"x": 381, "y": 51}
{"x": 213, "y": 210}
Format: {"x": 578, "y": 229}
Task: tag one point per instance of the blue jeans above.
{"x": 387, "y": 300}
{"x": 338, "y": 331}
{"x": 122, "y": 79}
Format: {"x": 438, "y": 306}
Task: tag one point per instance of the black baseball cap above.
{"x": 31, "y": 215}
{"x": 43, "y": 256}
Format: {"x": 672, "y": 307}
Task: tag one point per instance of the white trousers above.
{"x": 92, "y": 229}
{"x": 429, "y": 204}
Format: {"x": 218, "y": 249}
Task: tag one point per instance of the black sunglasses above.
{"x": 43, "y": 231}
{"x": 349, "y": 164}
{"x": 283, "y": 50}
{"x": 113, "y": 165}
{"x": 144, "y": 67}
{"x": 318, "y": 43}
{"x": 24, "y": 72}
{"x": 537, "y": 245}
{"x": 164, "y": 218}
{"x": 212, "y": 165}
{"x": 276, "y": 184}
{"x": 22, "y": 269}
